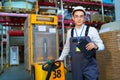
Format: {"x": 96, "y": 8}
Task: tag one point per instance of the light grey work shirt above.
{"x": 92, "y": 33}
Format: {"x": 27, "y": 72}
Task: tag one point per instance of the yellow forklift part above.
{"x": 44, "y": 19}
{"x": 57, "y": 74}
{"x": 39, "y": 73}
{"x": 41, "y": 39}
{"x": 41, "y": 45}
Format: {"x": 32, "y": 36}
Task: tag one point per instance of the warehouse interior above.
{"x": 21, "y": 20}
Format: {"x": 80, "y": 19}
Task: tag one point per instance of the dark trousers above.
{"x": 82, "y": 67}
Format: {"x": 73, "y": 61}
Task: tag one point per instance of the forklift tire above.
{"x": 33, "y": 73}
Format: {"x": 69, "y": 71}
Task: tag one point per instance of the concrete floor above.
{"x": 15, "y": 73}
{"x": 19, "y": 73}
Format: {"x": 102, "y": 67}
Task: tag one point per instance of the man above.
{"x": 83, "y": 68}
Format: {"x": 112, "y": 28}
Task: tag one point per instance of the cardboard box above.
{"x": 96, "y": 18}
{"x": 109, "y": 59}
{"x": 96, "y": 0}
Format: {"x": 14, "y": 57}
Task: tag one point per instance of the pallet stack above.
{"x": 109, "y": 59}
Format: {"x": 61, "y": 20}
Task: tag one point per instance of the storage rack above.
{"x": 62, "y": 4}
{"x": 93, "y": 6}
{"x": 12, "y": 9}
{"x": 45, "y": 6}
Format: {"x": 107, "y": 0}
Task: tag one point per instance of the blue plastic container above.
{"x": 108, "y": 1}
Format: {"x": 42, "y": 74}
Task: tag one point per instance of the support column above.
{"x": 117, "y": 10}
{"x": 1, "y": 61}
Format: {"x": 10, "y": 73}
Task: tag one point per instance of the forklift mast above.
{"x": 41, "y": 39}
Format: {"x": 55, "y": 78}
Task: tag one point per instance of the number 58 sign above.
{"x": 58, "y": 74}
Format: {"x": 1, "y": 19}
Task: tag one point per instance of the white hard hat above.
{"x": 78, "y": 8}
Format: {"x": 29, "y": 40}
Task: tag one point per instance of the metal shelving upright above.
{"x": 1, "y": 55}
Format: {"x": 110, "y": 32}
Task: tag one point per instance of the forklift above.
{"x": 41, "y": 48}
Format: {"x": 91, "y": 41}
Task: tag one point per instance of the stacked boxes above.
{"x": 96, "y": 18}
{"x": 84, "y": 0}
{"x": 108, "y": 19}
{"x": 109, "y": 59}
{"x": 96, "y": 0}
{"x": 108, "y": 1}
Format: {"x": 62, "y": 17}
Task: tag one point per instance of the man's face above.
{"x": 78, "y": 18}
